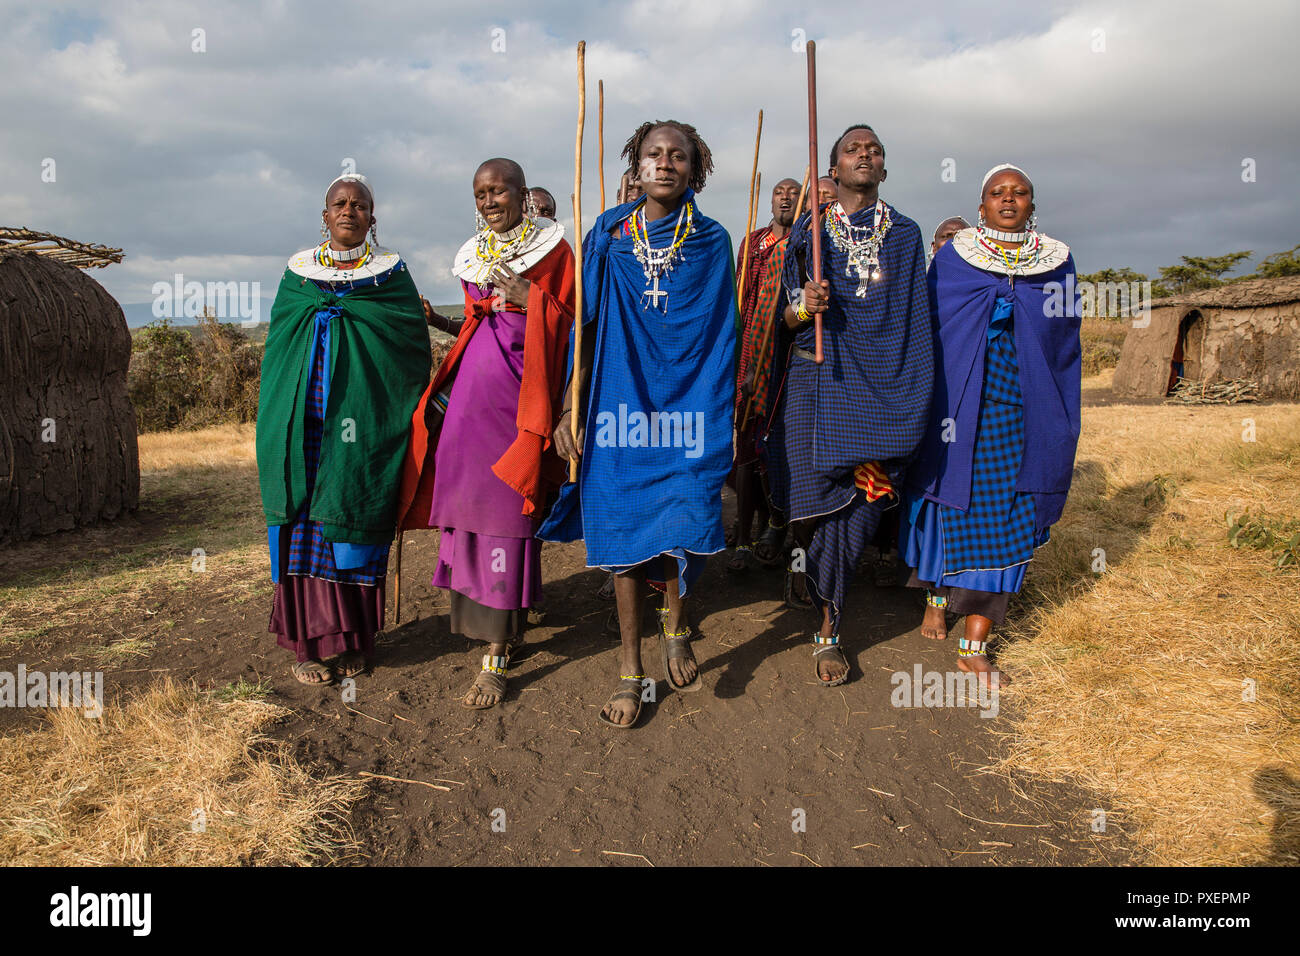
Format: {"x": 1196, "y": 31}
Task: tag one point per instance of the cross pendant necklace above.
{"x": 655, "y": 294}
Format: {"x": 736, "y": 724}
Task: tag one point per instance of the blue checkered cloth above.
{"x": 309, "y": 552}
{"x": 870, "y": 399}
{"x": 997, "y": 530}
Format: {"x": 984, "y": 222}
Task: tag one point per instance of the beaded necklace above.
{"x": 1028, "y": 250}
{"x": 330, "y": 258}
{"x": 863, "y": 250}
{"x": 492, "y": 249}
{"x": 657, "y": 262}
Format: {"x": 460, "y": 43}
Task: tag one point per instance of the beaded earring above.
{"x": 374, "y": 234}
{"x": 324, "y": 230}
{"x": 480, "y": 224}
{"x": 981, "y": 219}
{"x": 1032, "y": 224}
{"x": 530, "y": 206}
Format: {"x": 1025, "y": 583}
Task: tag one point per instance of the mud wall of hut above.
{"x": 68, "y": 453}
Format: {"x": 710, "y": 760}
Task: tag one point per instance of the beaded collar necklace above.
{"x": 657, "y": 262}
{"x": 861, "y": 244}
{"x": 492, "y": 248}
{"x": 1031, "y": 244}
{"x": 325, "y": 256}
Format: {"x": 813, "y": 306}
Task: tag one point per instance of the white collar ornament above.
{"x": 1051, "y": 254}
{"x": 520, "y": 248}
{"x": 308, "y": 265}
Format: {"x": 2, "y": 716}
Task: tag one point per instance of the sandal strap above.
{"x": 967, "y": 648}
{"x": 935, "y": 600}
{"x": 636, "y": 677}
{"x": 829, "y": 641}
{"x": 494, "y": 664}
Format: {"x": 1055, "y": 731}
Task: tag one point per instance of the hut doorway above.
{"x": 1186, "y": 360}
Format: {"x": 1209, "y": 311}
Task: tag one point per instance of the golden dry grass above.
{"x": 1133, "y": 682}
{"x": 198, "y": 489}
{"x": 123, "y": 790}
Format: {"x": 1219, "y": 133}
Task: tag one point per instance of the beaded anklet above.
{"x": 494, "y": 664}
{"x": 967, "y": 648}
{"x": 935, "y": 600}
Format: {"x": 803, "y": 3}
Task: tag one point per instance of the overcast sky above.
{"x": 1133, "y": 119}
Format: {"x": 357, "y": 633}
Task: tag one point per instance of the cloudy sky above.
{"x": 1134, "y": 119}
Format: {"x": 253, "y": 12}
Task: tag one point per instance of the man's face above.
{"x": 947, "y": 229}
{"x": 827, "y": 191}
{"x": 860, "y": 161}
{"x": 784, "y": 197}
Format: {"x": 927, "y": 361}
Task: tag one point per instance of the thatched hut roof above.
{"x": 83, "y": 255}
{"x": 1246, "y": 294}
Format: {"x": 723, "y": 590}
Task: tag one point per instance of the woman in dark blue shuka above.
{"x": 996, "y": 461}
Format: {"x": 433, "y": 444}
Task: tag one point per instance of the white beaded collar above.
{"x": 1051, "y": 256}
{"x": 304, "y": 264}
{"x": 546, "y": 237}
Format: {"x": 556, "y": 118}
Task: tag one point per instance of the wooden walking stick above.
{"x": 816, "y": 225}
{"x": 397, "y": 583}
{"x": 600, "y": 138}
{"x": 749, "y": 226}
{"x": 577, "y": 251}
{"x": 767, "y": 332}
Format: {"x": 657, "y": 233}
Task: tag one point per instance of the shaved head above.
{"x": 510, "y": 171}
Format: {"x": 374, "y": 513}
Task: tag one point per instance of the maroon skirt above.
{"x": 318, "y": 619}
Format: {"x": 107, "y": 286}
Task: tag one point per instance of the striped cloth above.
{"x": 997, "y": 530}
{"x": 763, "y": 309}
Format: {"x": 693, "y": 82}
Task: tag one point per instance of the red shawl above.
{"x": 530, "y": 466}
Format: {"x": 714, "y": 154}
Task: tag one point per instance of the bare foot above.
{"x": 934, "y": 625}
{"x": 980, "y": 666}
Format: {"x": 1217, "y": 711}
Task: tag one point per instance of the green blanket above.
{"x": 379, "y": 360}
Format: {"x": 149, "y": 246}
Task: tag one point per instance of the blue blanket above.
{"x": 658, "y": 441}
{"x": 1048, "y": 354}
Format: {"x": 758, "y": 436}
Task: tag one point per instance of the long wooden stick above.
{"x": 577, "y": 250}
{"x": 600, "y": 136}
{"x": 818, "y": 357}
{"x": 397, "y": 583}
{"x": 767, "y": 332}
{"x": 749, "y": 227}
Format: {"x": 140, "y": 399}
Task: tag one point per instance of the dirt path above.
{"x": 718, "y": 777}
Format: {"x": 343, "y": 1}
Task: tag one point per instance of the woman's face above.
{"x": 348, "y": 215}
{"x": 665, "y": 163}
{"x": 499, "y": 200}
{"x": 1008, "y": 201}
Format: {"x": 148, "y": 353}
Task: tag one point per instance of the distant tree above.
{"x": 1279, "y": 264}
{"x": 1197, "y": 272}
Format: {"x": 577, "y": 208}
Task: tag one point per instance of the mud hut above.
{"x": 68, "y": 453}
{"x": 1243, "y": 330}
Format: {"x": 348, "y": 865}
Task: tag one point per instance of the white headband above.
{"x": 354, "y": 178}
{"x": 949, "y": 219}
{"x": 1003, "y": 168}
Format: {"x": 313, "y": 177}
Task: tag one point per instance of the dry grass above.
{"x": 198, "y": 489}
{"x": 1131, "y": 682}
{"x": 124, "y": 790}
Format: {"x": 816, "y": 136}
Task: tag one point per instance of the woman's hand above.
{"x": 510, "y": 285}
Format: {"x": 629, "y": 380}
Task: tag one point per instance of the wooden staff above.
{"x": 600, "y": 138}
{"x": 577, "y": 251}
{"x": 767, "y": 332}
{"x": 397, "y": 583}
{"x": 818, "y": 357}
{"x": 749, "y": 226}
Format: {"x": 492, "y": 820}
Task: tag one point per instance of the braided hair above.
{"x": 701, "y": 156}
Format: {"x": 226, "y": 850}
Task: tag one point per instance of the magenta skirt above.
{"x": 318, "y": 619}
